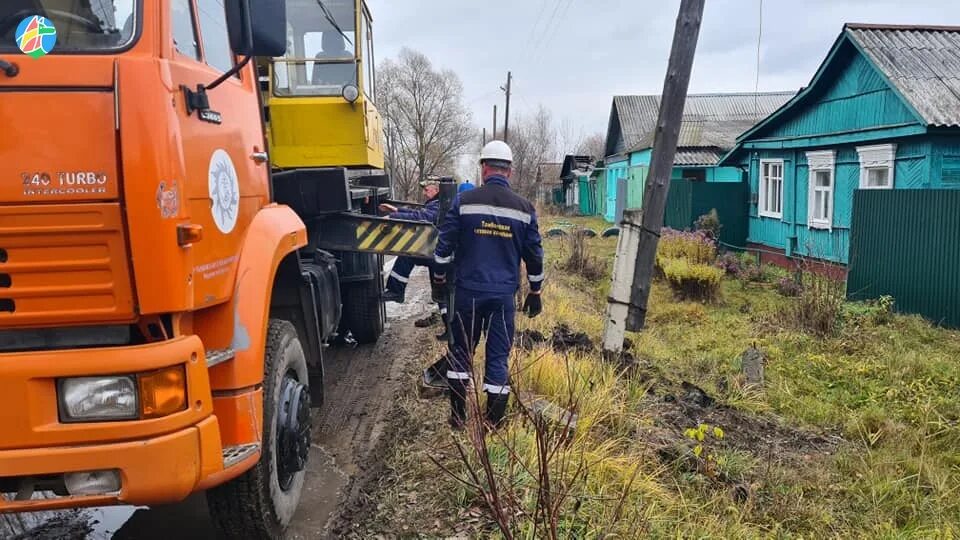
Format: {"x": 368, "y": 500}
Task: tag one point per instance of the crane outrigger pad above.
{"x": 368, "y": 234}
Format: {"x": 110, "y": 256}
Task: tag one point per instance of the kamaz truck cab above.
{"x": 165, "y": 290}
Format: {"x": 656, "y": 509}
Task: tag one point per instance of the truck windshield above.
{"x": 80, "y": 25}
{"x": 321, "y": 49}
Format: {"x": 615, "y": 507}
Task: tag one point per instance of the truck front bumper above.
{"x": 159, "y": 460}
{"x": 158, "y": 470}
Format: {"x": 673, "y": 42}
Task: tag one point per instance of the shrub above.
{"x": 878, "y": 312}
{"x": 709, "y": 223}
{"x": 752, "y": 274}
{"x": 819, "y": 305}
{"x": 692, "y": 281}
{"x": 730, "y": 263}
{"x": 579, "y": 260}
{"x": 695, "y": 247}
{"x": 788, "y": 287}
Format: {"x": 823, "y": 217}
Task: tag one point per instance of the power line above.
{"x": 536, "y": 23}
{"x": 546, "y": 30}
{"x": 557, "y": 27}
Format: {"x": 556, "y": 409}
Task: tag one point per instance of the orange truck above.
{"x": 165, "y": 294}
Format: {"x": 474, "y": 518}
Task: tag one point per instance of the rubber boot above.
{"x": 458, "y": 403}
{"x": 496, "y": 409}
{"x": 436, "y": 374}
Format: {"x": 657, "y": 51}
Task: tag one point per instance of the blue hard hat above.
{"x": 466, "y": 186}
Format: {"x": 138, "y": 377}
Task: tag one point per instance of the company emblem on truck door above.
{"x": 224, "y": 191}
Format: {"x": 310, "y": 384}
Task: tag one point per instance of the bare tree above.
{"x": 569, "y": 138}
{"x": 426, "y": 123}
{"x": 594, "y": 146}
{"x": 532, "y": 142}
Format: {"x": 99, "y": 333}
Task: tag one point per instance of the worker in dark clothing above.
{"x": 400, "y": 274}
{"x": 486, "y": 234}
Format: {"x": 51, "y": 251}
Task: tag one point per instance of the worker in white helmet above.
{"x": 486, "y": 234}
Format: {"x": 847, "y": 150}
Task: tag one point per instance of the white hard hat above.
{"x": 496, "y": 151}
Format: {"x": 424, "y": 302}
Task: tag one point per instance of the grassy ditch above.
{"x": 853, "y": 431}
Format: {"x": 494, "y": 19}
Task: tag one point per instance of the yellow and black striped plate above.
{"x": 350, "y": 232}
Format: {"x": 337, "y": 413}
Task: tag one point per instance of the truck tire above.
{"x": 261, "y": 502}
{"x": 362, "y": 311}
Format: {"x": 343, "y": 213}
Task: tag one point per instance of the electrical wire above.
{"x": 552, "y": 31}
{"x": 536, "y": 24}
{"x": 546, "y": 30}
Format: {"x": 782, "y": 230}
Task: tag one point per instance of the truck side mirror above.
{"x": 257, "y": 27}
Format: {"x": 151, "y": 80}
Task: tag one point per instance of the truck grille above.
{"x": 64, "y": 265}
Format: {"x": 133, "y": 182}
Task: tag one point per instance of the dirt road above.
{"x": 350, "y": 433}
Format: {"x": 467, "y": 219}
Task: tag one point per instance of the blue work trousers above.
{"x": 400, "y": 276}
{"x": 476, "y": 313}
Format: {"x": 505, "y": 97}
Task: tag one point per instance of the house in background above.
{"x": 580, "y": 193}
{"x": 549, "y": 187}
{"x": 711, "y": 124}
{"x": 882, "y": 112}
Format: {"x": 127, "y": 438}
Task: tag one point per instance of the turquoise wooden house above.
{"x": 882, "y": 112}
{"x": 710, "y": 126}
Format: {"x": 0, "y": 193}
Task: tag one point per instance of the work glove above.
{"x": 533, "y": 305}
{"x": 439, "y": 290}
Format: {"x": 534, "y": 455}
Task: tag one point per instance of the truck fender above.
{"x": 276, "y": 232}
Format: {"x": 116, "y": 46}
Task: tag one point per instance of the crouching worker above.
{"x": 486, "y": 234}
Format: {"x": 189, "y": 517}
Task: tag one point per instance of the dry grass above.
{"x": 854, "y": 434}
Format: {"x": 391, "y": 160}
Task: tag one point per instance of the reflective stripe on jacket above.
{"x": 486, "y": 234}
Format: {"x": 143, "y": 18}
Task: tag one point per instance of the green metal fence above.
{"x": 906, "y": 244}
{"x": 689, "y": 200}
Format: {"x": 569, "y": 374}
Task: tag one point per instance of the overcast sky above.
{"x": 574, "y": 55}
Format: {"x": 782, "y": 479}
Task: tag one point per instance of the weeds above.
{"x": 696, "y": 247}
{"x": 789, "y": 287}
{"x": 819, "y": 302}
{"x": 533, "y": 474}
{"x": 709, "y": 223}
{"x": 579, "y": 259}
{"x": 730, "y": 263}
{"x": 712, "y": 463}
{"x": 889, "y": 385}
{"x": 691, "y": 281}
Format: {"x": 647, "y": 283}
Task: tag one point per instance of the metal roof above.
{"x": 571, "y": 162}
{"x": 922, "y": 63}
{"x": 692, "y": 157}
{"x": 708, "y": 119}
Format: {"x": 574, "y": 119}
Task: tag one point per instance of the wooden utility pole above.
{"x": 640, "y": 229}
{"x": 506, "y": 116}
{"x": 494, "y": 136}
{"x": 484, "y": 136}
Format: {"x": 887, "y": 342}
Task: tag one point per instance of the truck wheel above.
{"x": 261, "y": 502}
{"x": 363, "y": 311}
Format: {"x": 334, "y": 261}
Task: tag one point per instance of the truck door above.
{"x": 224, "y": 170}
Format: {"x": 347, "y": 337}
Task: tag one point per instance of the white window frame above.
{"x": 762, "y": 209}
{"x": 821, "y": 161}
{"x": 878, "y": 156}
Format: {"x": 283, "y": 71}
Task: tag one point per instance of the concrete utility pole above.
{"x": 640, "y": 229}
{"x": 506, "y": 116}
{"x": 494, "y": 136}
{"x": 484, "y": 136}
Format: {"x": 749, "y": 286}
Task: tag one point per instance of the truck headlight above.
{"x": 351, "y": 93}
{"x": 98, "y": 399}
